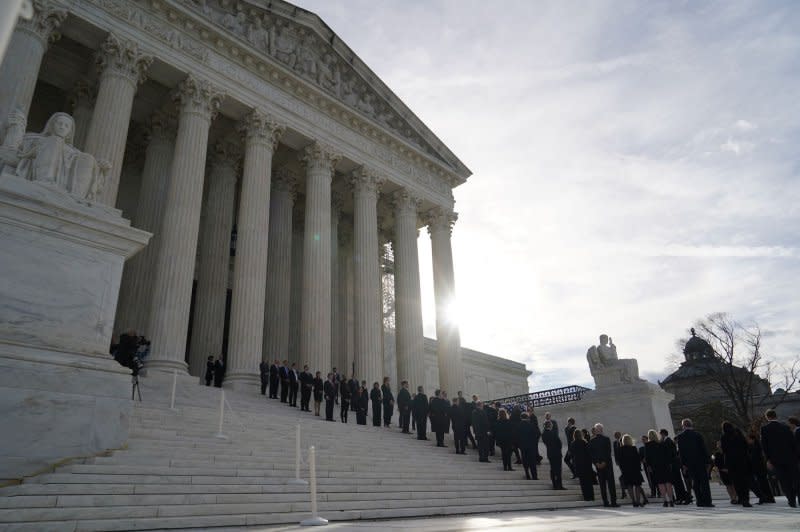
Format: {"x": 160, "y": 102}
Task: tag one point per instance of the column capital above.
{"x": 285, "y": 179}
{"x": 405, "y": 203}
{"x": 257, "y": 126}
{"x": 198, "y": 96}
{"x": 228, "y": 154}
{"x": 440, "y": 219}
{"x": 162, "y": 124}
{"x": 47, "y": 18}
{"x": 337, "y": 203}
{"x": 366, "y": 180}
{"x": 83, "y": 93}
{"x": 121, "y": 57}
{"x": 322, "y": 157}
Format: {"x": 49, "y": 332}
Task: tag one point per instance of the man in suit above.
{"x": 209, "y": 370}
{"x": 353, "y": 382}
{"x": 219, "y": 372}
{"x": 695, "y": 461}
{"x": 420, "y": 407}
{"x": 263, "y": 370}
{"x": 337, "y": 380}
{"x": 330, "y": 397}
{"x": 491, "y": 415}
{"x": 284, "y": 375}
{"x": 468, "y": 407}
{"x": 306, "y": 386}
{"x": 780, "y": 448}
{"x": 274, "y": 378}
{"x": 439, "y": 420}
{"x": 480, "y": 424}
{"x": 600, "y": 449}
{"x": 569, "y": 432}
{"x": 294, "y": 385}
{"x": 404, "y": 406}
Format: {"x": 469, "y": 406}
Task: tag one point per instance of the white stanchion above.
{"x": 297, "y": 458}
{"x": 174, "y": 385}
{"x": 315, "y": 519}
{"x": 219, "y": 433}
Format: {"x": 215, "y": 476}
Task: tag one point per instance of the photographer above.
{"x": 126, "y": 352}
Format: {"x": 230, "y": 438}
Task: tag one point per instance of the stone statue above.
{"x": 607, "y": 368}
{"x": 49, "y": 158}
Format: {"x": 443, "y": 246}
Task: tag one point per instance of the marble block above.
{"x": 61, "y": 394}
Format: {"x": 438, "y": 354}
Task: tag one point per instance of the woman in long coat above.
{"x": 376, "y": 398}
{"x": 388, "y": 402}
{"x": 630, "y": 464}
{"x": 737, "y": 458}
{"x": 660, "y": 466}
{"x": 503, "y": 436}
{"x": 582, "y": 464}
{"x": 554, "y": 456}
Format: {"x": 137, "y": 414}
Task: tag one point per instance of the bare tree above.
{"x": 744, "y": 372}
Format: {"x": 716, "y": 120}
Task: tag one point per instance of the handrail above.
{"x": 553, "y": 396}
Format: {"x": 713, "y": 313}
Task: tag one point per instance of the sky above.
{"x": 636, "y": 166}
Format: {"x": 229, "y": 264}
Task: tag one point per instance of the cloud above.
{"x": 635, "y": 166}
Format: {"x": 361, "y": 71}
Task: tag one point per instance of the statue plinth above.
{"x": 62, "y": 393}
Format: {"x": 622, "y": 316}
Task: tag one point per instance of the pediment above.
{"x": 301, "y": 42}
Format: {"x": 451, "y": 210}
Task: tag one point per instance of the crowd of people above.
{"x": 765, "y": 462}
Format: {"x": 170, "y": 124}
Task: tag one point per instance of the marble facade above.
{"x": 274, "y": 171}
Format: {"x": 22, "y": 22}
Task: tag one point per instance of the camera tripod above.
{"x": 135, "y": 388}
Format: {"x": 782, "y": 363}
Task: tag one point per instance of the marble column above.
{"x": 451, "y": 369}
{"x": 246, "y": 338}
{"x": 20, "y": 67}
{"x": 368, "y": 306}
{"x": 336, "y": 326}
{"x": 407, "y": 299}
{"x": 315, "y": 316}
{"x": 174, "y": 272}
{"x": 279, "y": 266}
{"x": 133, "y": 309}
{"x": 296, "y": 288}
{"x": 345, "y": 296}
{"x": 122, "y": 67}
{"x": 82, "y": 101}
{"x": 216, "y": 225}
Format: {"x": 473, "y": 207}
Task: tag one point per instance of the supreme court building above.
{"x": 284, "y": 184}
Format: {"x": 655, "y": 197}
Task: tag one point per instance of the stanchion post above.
{"x": 219, "y": 434}
{"x": 297, "y": 480}
{"x": 174, "y": 385}
{"x": 315, "y": 519}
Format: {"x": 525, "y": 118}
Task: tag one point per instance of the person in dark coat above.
{"x": 600, "y": 448}
{"x": 420, "y": 408}
{"x": 671, "y": 453}
{"x": 284, "y": 375}
{"x": 537, "y": 435}
{"x": 354, "y": 384}
{"x": 344, "y": 392}
{"x": 582, "y": 464}
{"x": 491, "y": 414}
{"x": 404, "y": 407}
{"x": 643, "y": 460}
{"x": 503, "y": 436}
{"x": 438, "y": 415}
{"x": 480, "y": 424}
{"x": 274, "y": 378}
{"x": 219, "y": 372}
{"x": 553, "y": 444}
{"x": 294, "y": 385}
{"x": 718, "y": 461}
{"x": 630, "y": 465}
{"x": 362, "y": 404}
{"x": 209, "y": 370}
{"x": 528, "y": 437}
{"x": 514, "y": 417}
{"x": 319, "y": 389}
{"x": 459, "y": 424}
{"x": 695, "y": 461}
{"x": 306, "y": 387}
{"x": 468, "y": 408}
{"x": 569, "y": 432}
{"x": 375, "y": 397}
{"x": 780, "y": 448}
{"x": 759, "y": 484}
{"x": 737, "y": 458}
{"x": 330, "y": 397}
{"x": 660, "y": 466}
{"x": 388, "y": 402}
{"x": 616, "y": 445}
{"x": 263, "y": 371}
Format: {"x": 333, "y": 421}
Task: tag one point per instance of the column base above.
{"x": 168, "y": 366}
{"x": 241, "y": 382}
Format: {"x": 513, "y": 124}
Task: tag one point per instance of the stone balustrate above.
{"x": 261, "y": 134}
{"x": 172, "y": 291}
{"x": 215, "y": 251}
{"x": 315, "y": 315}
{"x": 368, "y": 309}
{"x": 20, "y": 67}
{"x": 279, "y": 266}
{"x": 408, "y": 305}
{"x": 122, "y": 67}
{"x": 451, "y": 369}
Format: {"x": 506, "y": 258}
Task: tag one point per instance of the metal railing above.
{"x": 554, "y": 396}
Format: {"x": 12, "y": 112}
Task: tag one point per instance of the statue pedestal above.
{"x": 61, "y": 394}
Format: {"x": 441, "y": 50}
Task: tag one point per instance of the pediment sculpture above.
{"x": 49, "y": 158}
{"x": 607, "y": 368}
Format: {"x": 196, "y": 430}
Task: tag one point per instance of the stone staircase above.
{"x": 176, "y": 474}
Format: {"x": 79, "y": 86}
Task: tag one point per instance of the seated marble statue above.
{"x": 607, "y": 368}
{"x": 49, "y": 158}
